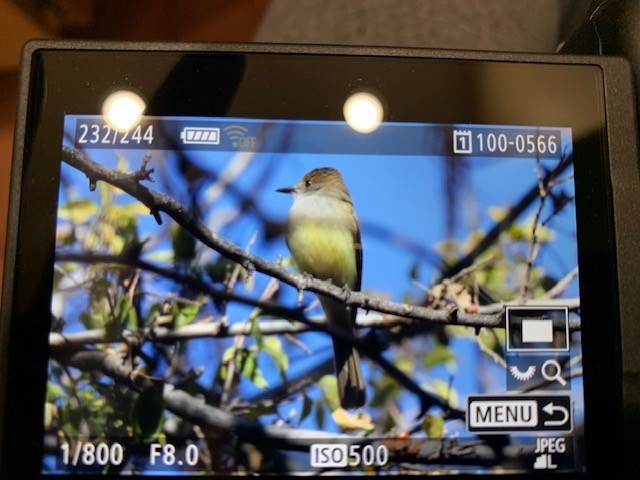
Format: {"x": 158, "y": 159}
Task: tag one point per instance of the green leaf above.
{"x": 497, "y": 214}
{"x": 220, "y": 269}
{"x": 228, "y": 354}
{"x": 320, "y": 413}
{"x": 91, "y": 321}
{"x": 54, "y": 392}
{"x": 148, "y": 412}
{"x": 328, "y": 385}
{"x": 273, "y": 346}
{"x": 492, "y": 340}
{"x": 70, "y": 418}
{"x": 184, "y": 314}
{"x": 386, "y": 389}
{"x": 78, "y": 211}
{"x": 307, "y": 406}
{"x": 433, "y": 427}
{"x": 250, "y": 369}
{"x": 123, "y": 164}
{"x": 256, "y": 333}
{"x": 261, "y": 409}
{"x": 123, "y": 314}
{"x": 163, "y": 256}
{"x": 184, "y": 245}
{"x": 348, "y": 421}
{"x": 105, "y": 191}
{"x": 50, "y": 414}
{"x": 438, "y": 355}
{"x": 126, "y": 313}
{"x": 406, "y": 364}
{"x": 65, "y": 239}
{"x": 152, "y": 314}
{"x": 444, "y": 391}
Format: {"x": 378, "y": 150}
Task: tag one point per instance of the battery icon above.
{"x": 200, "y": 136}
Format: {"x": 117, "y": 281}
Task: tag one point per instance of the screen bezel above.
{"x": 276, "y": 82}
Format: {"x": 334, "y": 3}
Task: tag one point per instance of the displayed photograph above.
{"x": 291, "y": 311}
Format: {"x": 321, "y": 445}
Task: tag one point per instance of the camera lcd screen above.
{"x": 181, "y": 344}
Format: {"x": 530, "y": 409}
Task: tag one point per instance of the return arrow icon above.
{"x": 550, "y": 409}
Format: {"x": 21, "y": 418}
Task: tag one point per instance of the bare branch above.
{"x": 471, "y": 268}
{"x": 213, "y": 330}
{"x": 534, "y": 246}
{"x": 561, "y": 286}
{"x": 266, "y": 327}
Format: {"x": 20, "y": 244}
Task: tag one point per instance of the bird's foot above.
{"x": 346, "y": 293}
{"x": 306, "y": 279}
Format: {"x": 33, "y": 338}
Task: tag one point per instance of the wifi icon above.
{"x": 236, "y": 134}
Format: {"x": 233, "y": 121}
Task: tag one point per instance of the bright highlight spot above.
{"x": 122, "y": 110}
{"x": 363, "y": 112}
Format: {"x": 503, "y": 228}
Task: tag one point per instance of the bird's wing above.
{"x": 358, "y": 280}
{"x": 357, "y": 244}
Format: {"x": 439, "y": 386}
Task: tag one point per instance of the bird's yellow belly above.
{"x": 324, "y": 251}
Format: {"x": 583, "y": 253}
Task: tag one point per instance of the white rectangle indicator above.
{"x": 503, "y": 414}
{"x": 535, "y": 331}
{"x": 330, "y": 455}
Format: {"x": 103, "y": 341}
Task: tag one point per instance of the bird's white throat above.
{"x": 308, "y": 206}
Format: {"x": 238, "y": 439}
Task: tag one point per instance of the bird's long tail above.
{"x": 351, "y": 384}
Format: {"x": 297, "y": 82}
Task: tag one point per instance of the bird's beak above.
{"x": 286, "y": 190}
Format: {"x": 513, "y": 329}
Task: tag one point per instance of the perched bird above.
{"x": 323, "y": 235}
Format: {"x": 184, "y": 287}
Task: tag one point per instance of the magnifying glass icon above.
{"x": 551, "y": 371}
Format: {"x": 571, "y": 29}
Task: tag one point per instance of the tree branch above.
{"x": 513, "y": 213}
{"x": 213, "y": 420}
{"x": 427, "y": 399}
{"x": 211, "y": 330}
{"x": 490, "y": 316}
{"x": 159, "y": 202}
{"x": 560, "y": 286}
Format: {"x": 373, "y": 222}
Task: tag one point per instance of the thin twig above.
{"x": 512, "y": 214}
{"x": 268, "y": 293}
{"x": 561, "y": 286}
{"x": 472, "y": 268}
{"x": 543, "y": 191}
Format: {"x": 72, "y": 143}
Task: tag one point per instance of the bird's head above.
{"x": 321, "y": 181}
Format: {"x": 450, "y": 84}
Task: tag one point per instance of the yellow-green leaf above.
{"x": 329, "y": 387}
{"x": 444, "y": 391}
{"x": 352, "y": 421}
{"x": 433, "y": 426}
{"x": 78, "y": 211}
{"x": 438, "y": 355}
{"x": 273, "y": 346}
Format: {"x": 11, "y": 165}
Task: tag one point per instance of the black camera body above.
{"x": 150, "y": 324}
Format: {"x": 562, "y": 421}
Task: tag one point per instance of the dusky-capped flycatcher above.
{"x": 323, "y": 236}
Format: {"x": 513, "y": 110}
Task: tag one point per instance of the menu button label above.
{"x": 519, "y": 413}
{"x": 505, "y": 414}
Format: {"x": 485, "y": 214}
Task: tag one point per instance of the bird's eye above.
{"x": 308, "y": 183}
